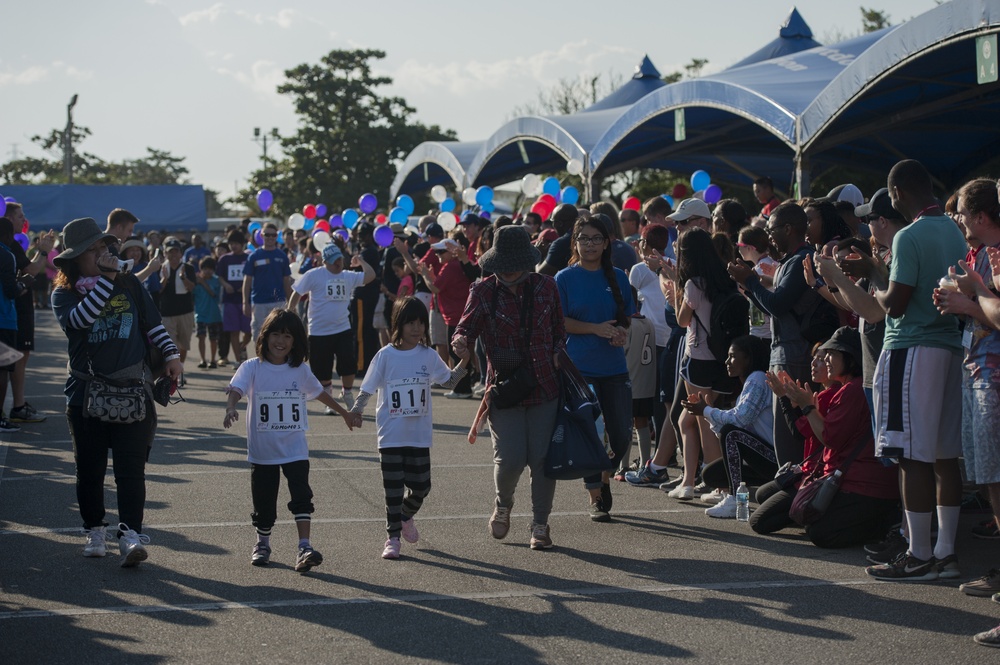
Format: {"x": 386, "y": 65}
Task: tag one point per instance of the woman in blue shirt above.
{"x": 597, "y": 301}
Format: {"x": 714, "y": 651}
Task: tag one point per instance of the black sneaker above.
{"x": 890, "y": 536}
{"x": 6, "y": 425}
{"x": 988, "y": 530}
{"x": 892, "y": 547}
{"x": 905, "y": 568}
{"x": 598, "y": 513}
{"x": 26, "y": 414}
{"x": 606, "y": 498}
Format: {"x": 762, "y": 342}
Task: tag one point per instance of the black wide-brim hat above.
{"x": 512, "y": 251}
{"x": 78, "y": 236}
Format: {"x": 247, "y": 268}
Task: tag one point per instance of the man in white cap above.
{"x": 692, "y": 213}
{"x": 329, "y": 288}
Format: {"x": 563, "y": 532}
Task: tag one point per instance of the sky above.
{"x": 194, "y": 77}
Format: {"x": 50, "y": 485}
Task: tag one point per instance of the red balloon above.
{"x": 309, "y": 211}
{"x": 24, "y": 227}
{"x": 541, "y": 209}
{"x": 549, "y": 200}
{"x": 322, "y": 225}
{"x": 632, "y": 203}
{"x": 679, "y": 191}
{"x": 381, "y": 219}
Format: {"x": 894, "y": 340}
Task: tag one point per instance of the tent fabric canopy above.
{"x": 435, "y": 163}
{"x": 645, "y": 80}
{"x": 794, "y": 36}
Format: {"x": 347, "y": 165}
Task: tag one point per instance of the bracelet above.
{"x": 807, "y": 409}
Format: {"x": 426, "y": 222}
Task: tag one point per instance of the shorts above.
{"x": 324, "y": 348}
{"x": 707, "y": 375}
{"x": 439, "y": 329}
{"x": 213, "y": 330}
{"x": 8, "y": 336}
{"x": 981, "y": 426}
{"x": 25, "y": 308}
{"x": 915, "y": 415}
{"x": 180, "y": 328}
{"x": 643, "y": 407}
{"x": 260, "y": 313}
{"x": 233, "y": 318}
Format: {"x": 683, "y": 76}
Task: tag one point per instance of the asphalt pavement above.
{"x": 661, "y": 582}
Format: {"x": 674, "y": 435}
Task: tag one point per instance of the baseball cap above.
{"x": 691, "y": 208}
{"x": 880, "y": 205}
{"x": 846, "y": 193}
{"x": 172, "y": 243}
{"x": 331, "y": 253}
{"x": 547, "y": 236}
{"x": 473, "y": 218}
{"x": 434, "y": 230}
{"x": 446, "y": 244}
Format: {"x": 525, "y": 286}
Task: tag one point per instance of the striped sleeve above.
{"x": 159, "y": 338}
{"x": 83, "y": 315}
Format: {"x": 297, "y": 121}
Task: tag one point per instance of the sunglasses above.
{"x": 270, "y": 235}
{"x": 685, "y": 222}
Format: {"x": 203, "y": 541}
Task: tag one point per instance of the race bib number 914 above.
{"x": 280, "y": 411}
{"x": 407, "y": 397}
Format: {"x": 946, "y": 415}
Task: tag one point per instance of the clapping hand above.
{"x": 799, "y": 392}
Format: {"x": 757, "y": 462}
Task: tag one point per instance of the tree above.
{"x": 570, "y": 95}
{"x": 873, "y": 19}
{"x": 350, "y": 139}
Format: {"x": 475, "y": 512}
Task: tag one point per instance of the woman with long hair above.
{"x": 597, "y": 303}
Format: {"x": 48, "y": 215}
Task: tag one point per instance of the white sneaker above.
{"x": 725, "y": 509}
{"x": 96, "y": 546}
{"x": 130, "y": 544}
{"x": 682, "y": 492}
{"x": 713, "y": 497}
{"x": 347, "y": 397}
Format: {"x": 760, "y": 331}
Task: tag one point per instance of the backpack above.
{"x": 730, "y": 319}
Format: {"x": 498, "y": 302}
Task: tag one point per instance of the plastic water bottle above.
{"x": 743, "y": 503}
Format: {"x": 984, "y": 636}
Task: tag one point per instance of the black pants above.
{"x": 361, "y": 315}
{"x": 853, "y": 519}
{"x": 129, "y": 446}
{"x": 772, "y": 514}
{"x": 406, "y": 478}
{"x": 264, "y": 481}
{"x": 745, "y": 459}
{"x": 224, "y": 345}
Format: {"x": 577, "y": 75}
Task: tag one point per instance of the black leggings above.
{"x": 772, "y": 514}
{"x": 745, "y": 458}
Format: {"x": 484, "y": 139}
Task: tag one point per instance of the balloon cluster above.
{"x": 703, "y": 188}
{"x": 550, "y": 192}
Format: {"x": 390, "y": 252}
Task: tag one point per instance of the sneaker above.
{"x": 724, "y": 509}
{"x": 598, "y": 513}
{"x": 307, "y": 559}
{"x": 682, "y": 492}
{"x": 202, "y": 365}
{"x": 988, "y": 530}
{"x": 606, "y": 499}
{"x": 26, "y": 414}
{"x": 223, "y": 362}
{"x": 96, "y": 546}
{"x": 646, "y": 477}
{"x": 410, "y": 533}
{"x": 6, "y": 425}
{"x": 500, "y": 522}
{"x": 701, "y": 488}
{"x": 887, "y": 550}
{"x": 347, "y": 397}
{"x": 989, "y": 638}
{"x": 947, "y": 568}
{"x": 620, "y": 476}
{"x": 713, "y": 497}
{"x": 328, "y": 411}
{"x": 671, "y": 484}
{"x": 987, "y": 585}
{"x": 213, "y": 365}
{"x": 391, "y": 550}
{"x": 130, "y": 544}
{"x": 454, "y": 395}
{"x": 261, "y": 555}
{"x": 540, "y": 538}
{"x": 905, "y": 568}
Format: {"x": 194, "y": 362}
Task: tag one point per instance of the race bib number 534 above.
{"x": 407, "y": 397}
{"x": 280, "y": 411}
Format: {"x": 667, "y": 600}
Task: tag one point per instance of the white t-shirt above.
{"x": 696, "y": 342}
{"x": 329, "y": 298}
{"x": 276, "y": 409}
{"x": 652, "y": 304}
{"x": 403, "y": 381}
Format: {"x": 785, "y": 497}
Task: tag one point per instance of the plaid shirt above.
{"x": 501, "y": 331}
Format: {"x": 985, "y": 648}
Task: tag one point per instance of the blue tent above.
{"x": 794, "y": 36}
{"x": 645, "y": 80}
{"x": 435, "y": 163}
{"x": 169, "y": 207}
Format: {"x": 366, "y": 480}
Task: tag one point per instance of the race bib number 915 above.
{"x": 280, "y": 411}
{"x": 407, "y": 397}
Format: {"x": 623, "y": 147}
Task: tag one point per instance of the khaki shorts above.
{"x": 439, "y": 329}
{"x": 180, "y": 329}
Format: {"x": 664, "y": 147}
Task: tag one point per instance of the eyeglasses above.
{"x": 774, "y": 229}
{"x": 270, "y": 235}
{"x": 590, "y": 240}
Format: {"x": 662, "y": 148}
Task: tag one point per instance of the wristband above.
{"x": 807, "y": 409}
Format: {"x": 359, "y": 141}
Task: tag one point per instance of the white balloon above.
{"x": 469, "y": 196}
{"x": 574, "y": 167}
{"x": 447, "y": 220}
{"x": 296, "y": 221}
{"x": 321, "y": 239}
{"x": 438, "y": 193}
{"x": 530, "y": 184}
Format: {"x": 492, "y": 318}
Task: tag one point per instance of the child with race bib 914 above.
{"x": 402, "y": 373}
{"x": 277, "y": 384}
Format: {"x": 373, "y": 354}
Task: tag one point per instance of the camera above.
{"x": 125, "y": 266}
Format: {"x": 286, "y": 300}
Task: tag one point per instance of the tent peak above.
{"x": 795, "y": 26}
{"x": 646, "y": 70}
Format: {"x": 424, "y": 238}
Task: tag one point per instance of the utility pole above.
{"x": 262, "y": 139}
{"x": 68, "y": 140}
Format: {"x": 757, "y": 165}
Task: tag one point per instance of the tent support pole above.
{"x": 801, "y": 188}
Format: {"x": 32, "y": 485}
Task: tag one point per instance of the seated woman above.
{"x": 745, "y": 431}
{"x": 838, "y": 420}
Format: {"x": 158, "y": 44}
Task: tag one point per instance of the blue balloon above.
{"x": 350, "y": 218}
{"x": 484, "y": 195}
{"x": 281, "y": 238}
{"x": 406, "y": 203}
{"x": 308, "y": 224}
{"x": 669, "y": 199}
{"x": 448, "y": 205}
{"x": 487, "y": 207}
{"x": 700, "y": 180}
{"x": 254, "y": 226}
{"x": 398, "y": 215}
{"x": 551, "y": 186}
{"x": 570, "y": 195}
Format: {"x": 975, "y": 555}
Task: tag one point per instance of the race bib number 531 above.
{"x": 407, "y": 397}
{"x": 280, "y": 411}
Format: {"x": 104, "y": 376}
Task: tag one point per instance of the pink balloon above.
{"x": 632, "y": 203}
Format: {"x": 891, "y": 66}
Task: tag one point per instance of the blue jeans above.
{"x": 614, "y": 394}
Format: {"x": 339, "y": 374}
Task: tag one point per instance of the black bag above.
{"x": 516, "y": 385}
{"x": 817, "y": 492}
{"x": 790, "y": 473}
{"x": 575, "y": 449}
{"x": 117, "y": 402}
{"x": 730, "y": 319}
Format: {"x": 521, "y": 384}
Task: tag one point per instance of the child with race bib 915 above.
{"x": 402, "y": 373}
{"x": 277, "y": 384}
